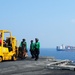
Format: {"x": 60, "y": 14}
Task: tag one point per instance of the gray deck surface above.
{"x": 29, "y": 66}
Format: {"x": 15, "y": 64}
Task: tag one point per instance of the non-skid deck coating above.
{"x": 29, "y": 66}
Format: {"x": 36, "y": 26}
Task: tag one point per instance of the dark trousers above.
{"x": 22, "y": 52}
{"x": 37, "y": 52}
{"x": 32, "y": 53}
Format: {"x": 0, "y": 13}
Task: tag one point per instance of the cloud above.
{"x": 73, "y": 21}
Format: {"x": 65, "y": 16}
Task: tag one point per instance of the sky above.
{"x": 51, "y": 21}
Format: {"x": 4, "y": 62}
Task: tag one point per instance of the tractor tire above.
{"x": 1, "y": 58}
{"x": 14, "y": 57}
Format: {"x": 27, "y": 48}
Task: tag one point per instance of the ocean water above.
{"x": 58, "y": 54}
{"x": 70, "y": 55}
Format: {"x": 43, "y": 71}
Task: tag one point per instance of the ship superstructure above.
{"x": 63, "y": 47}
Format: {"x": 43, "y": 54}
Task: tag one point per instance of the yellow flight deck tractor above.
{"x": 8, "y": 46}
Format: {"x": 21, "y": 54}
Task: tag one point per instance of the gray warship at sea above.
{"x": 43, "y": 66}
{"x": 65, "y": 48}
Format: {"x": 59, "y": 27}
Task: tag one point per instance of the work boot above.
{"x": 36, "y": 59}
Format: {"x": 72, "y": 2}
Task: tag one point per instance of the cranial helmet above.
{"x": 23, "y": 39}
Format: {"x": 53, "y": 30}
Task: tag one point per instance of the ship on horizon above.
{"x": 63, "y": 48}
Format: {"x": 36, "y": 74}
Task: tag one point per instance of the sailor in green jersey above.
{"x": 23, "y": 48}
{"x": 32, "y": 48}
{"x": 37, "y": 48}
